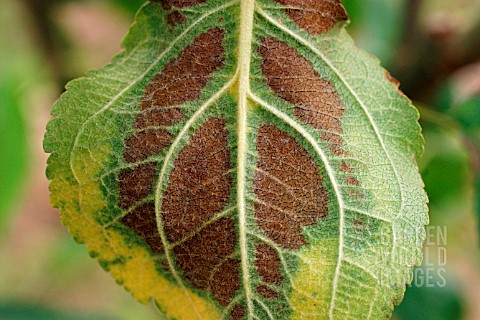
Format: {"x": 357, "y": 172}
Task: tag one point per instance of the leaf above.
{"x": 467, "y": 113}
{"x": 432, "y": 302}
{"x": 367, "y": 16}
{"x": 13, "y": 146}
{"x": 446, "y": 163}
{"x": 242, "y": 159}
{"x": 130, "y": 5}
{"x": 28, "y": 311}
{"x": 13, "y": 135}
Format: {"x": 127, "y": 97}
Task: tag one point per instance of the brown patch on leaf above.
{"x": 266, "y": 292}
{"x": 268, "y": 264}
{"x": 207, "y": 263}
{"x": 143, "y": 221}
{"x": 353, "y": 181}
{"x": 355, "y": 194}
{"x": 150, "y": 142}
{"x": 289, "y": 188}
{"x": 315, "y": 16}
{"x": 175, "y": 17}
{"x": 135, "y": 184}
{"x": 293, "y": 78}
{"x": 144, "y": 144}
{"x": 168, "y": 4}
{"x": 181, "y": 80}
{"x": 199, "y": 187}
{"x": 184, "y": 78}
{"x": 392, "y": 79}
{"x": 158, "y": 117}
{"x": 395, "y": 82}
{"x": 345, "y": 167}
{"x": 238, "y": 312}
{"x": 199, "y": 183}
{"x": 358, "y": 226}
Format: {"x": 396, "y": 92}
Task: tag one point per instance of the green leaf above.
{"x": 243, "y": 159}
{"x": 26, "y": 311}
{"x": 13, "y": 144}
{"x": 429, "y": 302}
{"x": 477, "y": 198}
{"x": 13, "y": 135}
{"x": 446, "y": 163}
{"x": 377, "y": 26}
{"x": 467, "y": 113}
{"x": 130, "y": 5}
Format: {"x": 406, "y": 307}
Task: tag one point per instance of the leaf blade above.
{"x": 105, "y": 129}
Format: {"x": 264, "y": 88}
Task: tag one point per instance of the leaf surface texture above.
{"x": 243, "y": 160}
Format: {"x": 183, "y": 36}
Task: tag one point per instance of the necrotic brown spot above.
{"x": 268, "y": 264}
{"x": 158, "y": 117}
{"x": 315, "y": 16}
{"x": 293, "y": 78}
{"x": 199, "y": 183}
{"x": 345, "y": 167}
{"x": 142, "y": 220}
{"x": 199, "y": 187}
{"x": 135, "y": 184}
{"x": 207, "y": 263}
{"x": 267, "y": 292}
{"x": 175, "y": 18}
{"x": 180, "y": 81}
{"x": 168, "y": 4}
{"x": 183, "y": 79}
{"x": 353, "y": 181}
{"x": 289, "y": 188}
{"x": 144, "y": 144}
{"x": 392, "y": 79}
{"x": 238, "y": 312}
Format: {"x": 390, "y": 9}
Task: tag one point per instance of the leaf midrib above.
{"x": 247, "y": 9}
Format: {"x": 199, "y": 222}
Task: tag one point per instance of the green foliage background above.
{"x": 431, "y": 46}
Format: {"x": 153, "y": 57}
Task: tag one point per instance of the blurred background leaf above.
{"x": 377, "y": 26}
{"x": 13, "y": 144}
{"x": 431, "y": 303}
{"x": 468, "y": 114}
{"x": 16, "y": 311}
{"x": 131, "y": 6}
{"x": 16, "y": 66}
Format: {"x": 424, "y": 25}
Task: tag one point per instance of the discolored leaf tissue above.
{"x": 243, "y": 160}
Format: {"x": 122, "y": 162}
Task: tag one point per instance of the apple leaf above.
{"x": 243, "y": 160}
